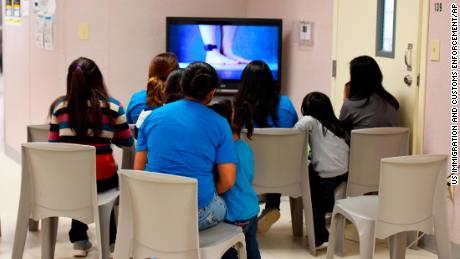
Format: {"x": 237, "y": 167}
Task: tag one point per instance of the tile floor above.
{"x": 278, "y": 243}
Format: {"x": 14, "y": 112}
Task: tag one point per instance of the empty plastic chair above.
{"x": 367, "y": 148}
{"x": 280, "y": 157}
{"x": 36, "y": 133}
{"x": 412, "y": 197}
{"x": 59, "y": 180}
{"x": 159, "y": 219}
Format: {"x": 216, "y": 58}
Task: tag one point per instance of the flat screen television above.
{"x": 228, "y": 44}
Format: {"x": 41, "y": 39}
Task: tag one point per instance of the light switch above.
{"x": 434, "y": 51}
{"x": 83, "y": 31}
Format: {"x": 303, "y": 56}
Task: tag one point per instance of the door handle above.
{"x": 408, "y": 56}
{"x": 408, "y": 80}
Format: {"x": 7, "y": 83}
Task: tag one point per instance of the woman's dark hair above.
{"x": 85, "y": 93}
{"x": 238, "y": 115}
{"x": 258, "y": 88}
{"x": 173, "y": 89}
{"x": 366, "y": 79}
{"x": 199, "y": 80}
{"x": 160, "y": 67}
{"x": 319, "y": 106}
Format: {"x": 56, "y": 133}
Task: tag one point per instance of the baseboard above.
{"x": 13, "y": 153}
{"x": 428, "y": 242}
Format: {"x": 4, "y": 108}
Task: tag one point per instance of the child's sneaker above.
{"x": 266, "y": 220}
{"x": 80, "y": 248}
{"x": 321, "y": 245}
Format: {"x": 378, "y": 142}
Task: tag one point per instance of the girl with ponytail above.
{"x": 88, "y": 115}
{"x": 241, "y": 199}
{"x": 187, "y": 138}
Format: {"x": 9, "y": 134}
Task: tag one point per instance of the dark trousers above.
{"x": 273, "y": 201}
{"x": 250, "y": 236}
{"x": 78, "y": 229}
{"x": 322, "y": 199}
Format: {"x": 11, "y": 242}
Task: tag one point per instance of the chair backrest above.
{"x": 411, "y": 189}
{"x": 128, "y": 154}
{"x": 280, "y": 160}
{"x": 59, "y": 180}
{"x": 163, "y": 211}
{"x": 37, "y": 133}
{"x": 367, "y": 148}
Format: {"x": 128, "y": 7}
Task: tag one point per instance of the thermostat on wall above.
{"x": 306, "y": 33}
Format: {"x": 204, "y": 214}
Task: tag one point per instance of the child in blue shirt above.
{"x": 241, "y": 199}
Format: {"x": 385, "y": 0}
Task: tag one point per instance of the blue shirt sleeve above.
{"x": 287, "y": 115}
{"x": 225, "y": 152}
{"x": 135, "y": 106}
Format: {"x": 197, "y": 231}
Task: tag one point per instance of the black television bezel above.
{"x": 229, "y": 86}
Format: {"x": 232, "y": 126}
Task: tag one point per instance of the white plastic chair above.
{"x": 412, "y": 197}
{"x": 159, "y": 218}
{"x": 280, "y": 157}
{"x": 59, "y": 180}
{"x": 367, "y": 148}
{"x": 36, "y": 133}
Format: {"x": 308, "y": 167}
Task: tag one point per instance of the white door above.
{"x": 356, "y": 29}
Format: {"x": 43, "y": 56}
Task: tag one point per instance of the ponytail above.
{"x": 243, "y": 117}
{"x": 155, "y": 92}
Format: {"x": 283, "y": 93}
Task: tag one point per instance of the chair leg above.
{"x": 49, "y": 234}
{"x": 333, "y": 235}
{"x": 397, "y": 244}
{"x": 412, "y": 239}
{"x": 339, "y": 247}
{"x": 441, "y": 231}
{"x": 296, "y": 216}
{"x": 308, "y": 214}
{"x": 242, "y": 250}
{"x": 21, "y": 228}
{"x": 33, "y": 225}
{"x": 104, "y": 230}
{"x": 366, "y": 240}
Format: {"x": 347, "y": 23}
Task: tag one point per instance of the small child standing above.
{"x": 329, "y": 158}
{"x": 241, "y": 199}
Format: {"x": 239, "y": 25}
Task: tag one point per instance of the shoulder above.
{"x": 59, "y": 104}
{"x": 306, "y": 122}
{"x": 285, "y": 101}
{"x": 139, "y": 95}
{"x": 243, "y": 148}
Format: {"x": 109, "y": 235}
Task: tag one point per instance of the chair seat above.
{"x": 107, "y": 196}
{"x": 218, "y": 234}
{"x": 362, "y": 207}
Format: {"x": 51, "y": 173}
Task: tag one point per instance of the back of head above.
{"x": 366, "y": 79}
{"x": 85, "y": 85}
{"x": 160, "y": 67}
{"x": 199, "y": 80}
{"x": 173, "y": 88}
{"x": 258, "y": 87}
{"x": 319, "y": 106}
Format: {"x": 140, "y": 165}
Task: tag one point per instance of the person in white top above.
{"x": 329, "y": 157}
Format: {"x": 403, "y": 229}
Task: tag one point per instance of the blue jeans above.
{"x": 212, "y": 214}
{"x": 250, "y": 236}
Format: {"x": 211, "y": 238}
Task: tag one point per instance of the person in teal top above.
{"x": 241, "y": 199}
{"x": 186, "y": 138}
{"x": 271, "y": 110}
{"x": 136, "y": 106}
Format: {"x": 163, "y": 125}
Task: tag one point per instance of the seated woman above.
{"x": 159, "y": 69}
{"x": 87, "y": 115}
{"x": 186, "y": 138}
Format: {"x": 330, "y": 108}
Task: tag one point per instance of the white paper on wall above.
{"x": 25, "y": 7}
{"x": 48, "y": 32}
{"x": 39, "y": 41}
{"x": 44, "y": 7}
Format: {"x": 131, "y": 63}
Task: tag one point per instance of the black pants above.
{"x": 322, "y": 198}
{"x": 78, "y": 229}
{"x": 273, "y": 201}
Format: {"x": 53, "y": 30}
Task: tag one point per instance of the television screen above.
{"x": 228, "y": 44}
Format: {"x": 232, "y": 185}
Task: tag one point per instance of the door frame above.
{"x": 420, "y": 66}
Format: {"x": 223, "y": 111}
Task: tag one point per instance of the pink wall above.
{"x": 437, "y": 103}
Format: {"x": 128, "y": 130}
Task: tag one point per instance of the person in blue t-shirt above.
{"x": 186, "y": 138}
{"x": 271, "y": 110}
{"x": 241, "y": 199}
{"x": 159, "y": 69}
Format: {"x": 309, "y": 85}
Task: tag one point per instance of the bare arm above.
{"x": 140, "y": 160}
{"x": 227, "y": 176}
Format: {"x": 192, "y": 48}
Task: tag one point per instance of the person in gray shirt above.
{"x": 368, "y": 104}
